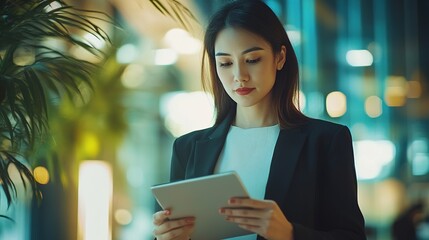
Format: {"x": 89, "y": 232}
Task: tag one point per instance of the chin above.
{"x": 245, "y": 104}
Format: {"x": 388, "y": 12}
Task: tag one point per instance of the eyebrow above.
{"x": 244, "y": 52}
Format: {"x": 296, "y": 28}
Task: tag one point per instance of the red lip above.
{"x": 244, "y": 91}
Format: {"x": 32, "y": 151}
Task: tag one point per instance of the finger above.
{"x": 254, "y": 222}
{"x": 160, "y": 217}
{"x": 177, "y": 234}
{"x": 252, "y": 203}
{"x": 173, "y": 224}
{"x": 246, "y": 212}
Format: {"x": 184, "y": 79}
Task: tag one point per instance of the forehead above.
{"x": 231, "y": 40}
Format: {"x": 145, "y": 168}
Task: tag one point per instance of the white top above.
{"x": 249, "y": 152}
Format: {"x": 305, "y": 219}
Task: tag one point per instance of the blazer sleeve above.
{"x": 339, "y": 214}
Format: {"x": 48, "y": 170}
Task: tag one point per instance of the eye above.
{"x": 253, "y": 60}
{"x": 225, "y": 64}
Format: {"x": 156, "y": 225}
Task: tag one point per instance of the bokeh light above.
{"x": 336, "y": 104}
{"x": 123, "y": 216}
{"x": 41, "y": 175}
{"x": 373, "y": 106}
{"x": 95, "y": 192}
{"x": 396, "y": 91}
{"x": 359, "y": 58}
{"x": 182, "y": 42}
{"x": 185, "y": 112}
{"x": 165, "y": 56}
{"x": 372, "y": 156}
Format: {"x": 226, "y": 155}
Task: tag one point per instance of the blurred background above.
{"x": 363, "y": 63}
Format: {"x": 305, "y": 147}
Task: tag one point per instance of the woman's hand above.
{"x": 263, "y": 217}
{"x": 178, "y": 229}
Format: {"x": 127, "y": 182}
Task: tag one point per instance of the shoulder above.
{"x": 314, "y": 124}
{"x": 318, "y": 128}
{"x": 331, "y": 141}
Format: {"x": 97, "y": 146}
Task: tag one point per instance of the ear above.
{"x": 281, "y": 58}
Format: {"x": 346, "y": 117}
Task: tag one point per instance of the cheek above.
{"x": 224, "y": 76}
{"x": 267, "y": 72}
{"x": 225, "y": 85}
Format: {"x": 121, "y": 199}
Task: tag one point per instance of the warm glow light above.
{"x": 336, "y": 104}
{"x": 182, "y": 42}
{"x": 396, "y": 91}
{"x": 184, "y": 112}
{"x": 89, "y": 144}
{"x": 382, "y": 200}
{"x": 83, "y": 54}
{"x": 373, "y": 106}
{"x": 94, "y": 201}
{"x": 165, "y": 57}
{"x": 372, "y": 156}
{"x": 123, "y": 216}
{"x": 24, "y": 56}
{"x": 41, "y": 175}
{"x": 414, "y": 89}
{"x": 359, "y": 58}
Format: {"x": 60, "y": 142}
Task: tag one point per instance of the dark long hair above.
{"x": 256, "y": 17}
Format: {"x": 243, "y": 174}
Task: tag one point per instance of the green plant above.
{"x": 34, "y": 74}
{"x": 28, "y": 82}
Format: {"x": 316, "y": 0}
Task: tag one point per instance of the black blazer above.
{"x": 312, "y": 175}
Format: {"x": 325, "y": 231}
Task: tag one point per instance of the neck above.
{"x": 252, "y": 117}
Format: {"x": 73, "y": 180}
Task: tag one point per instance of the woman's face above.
{"x": 246, "y": 66}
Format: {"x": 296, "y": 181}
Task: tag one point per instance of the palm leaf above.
{"x": 7, "y": 159}
{"x": 161, "y": 8}
{"x": 178, "y": 11}
{"x": 8, "y": 186}
{"x": 24, "y": 90}
{"x": 8, "y": 218}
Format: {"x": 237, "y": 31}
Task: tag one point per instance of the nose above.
{"x": 240, "y": 73}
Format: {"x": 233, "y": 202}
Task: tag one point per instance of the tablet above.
{"x": 202, "y": 197}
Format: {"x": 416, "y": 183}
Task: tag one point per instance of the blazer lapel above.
{"x": 207, "y": 150}
{"x": 286, "y": 154}
{"x": 206, "y": 155}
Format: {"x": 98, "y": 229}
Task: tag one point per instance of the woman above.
{"x": 299, "y": 171}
